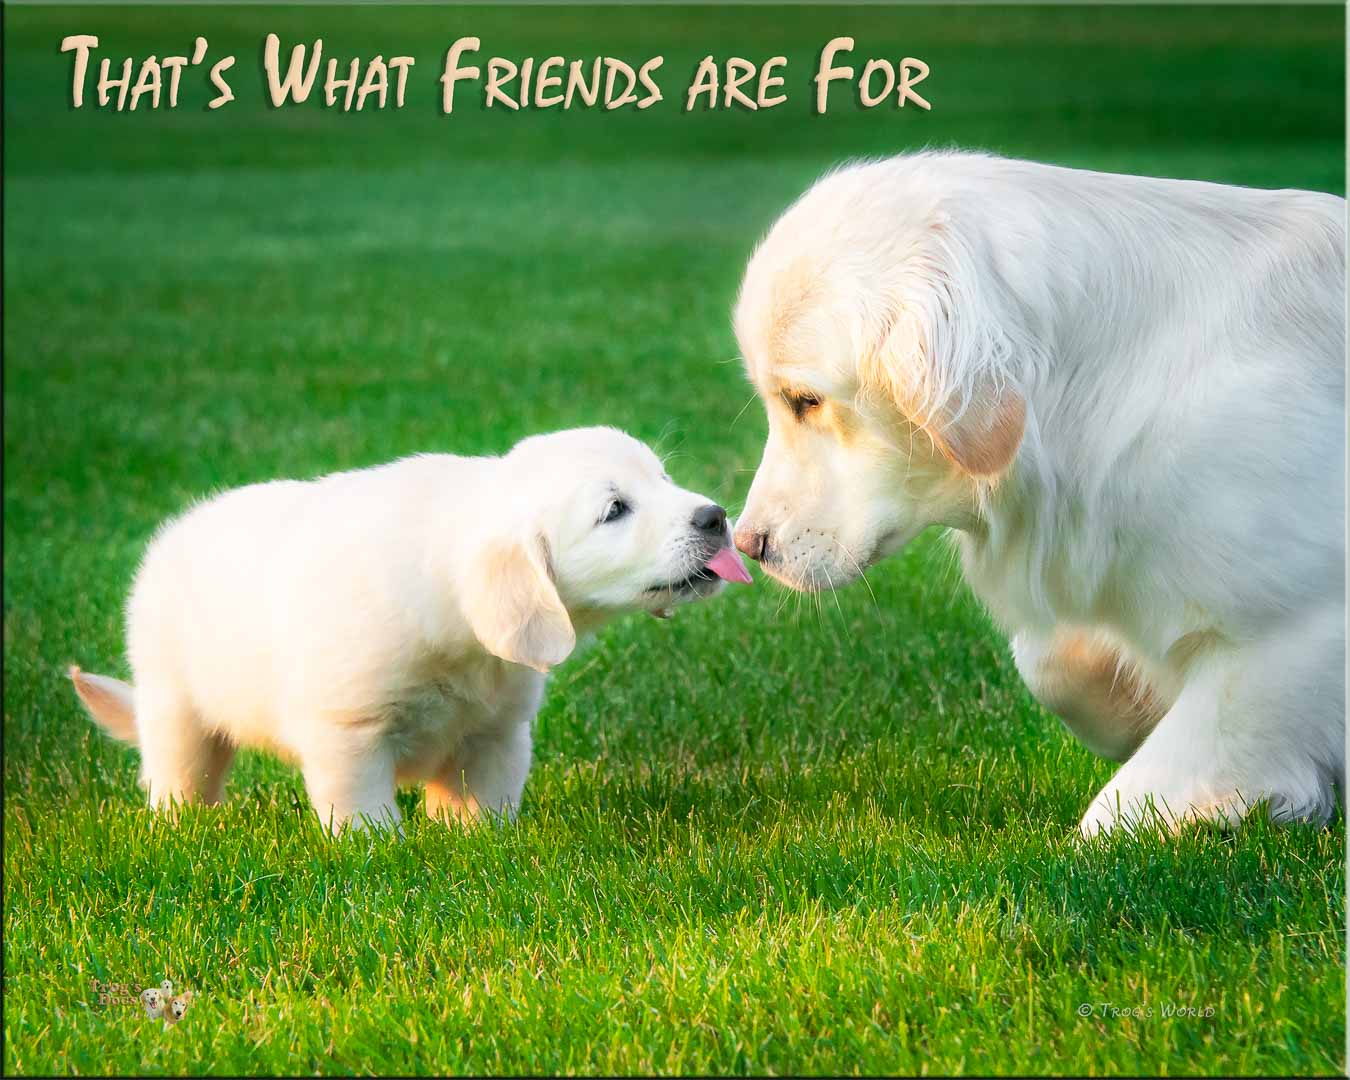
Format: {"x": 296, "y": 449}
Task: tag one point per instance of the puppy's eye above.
{"x": 615, "y": 510}
{"x": 800, "y": 403}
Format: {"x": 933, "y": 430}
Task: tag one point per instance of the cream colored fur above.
{"x": 1126, "y": 399}
{"x": 394, "y": 624}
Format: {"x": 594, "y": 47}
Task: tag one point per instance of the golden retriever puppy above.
{"x": 394, "y": 624}
{"x": 1126, "y": 398}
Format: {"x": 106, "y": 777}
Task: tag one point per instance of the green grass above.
{"x": 775, "y": 835}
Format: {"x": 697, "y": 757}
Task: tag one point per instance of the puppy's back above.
{"x": 255, "y": 578}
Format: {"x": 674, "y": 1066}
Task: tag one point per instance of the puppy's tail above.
{"x": 109, "y": 702}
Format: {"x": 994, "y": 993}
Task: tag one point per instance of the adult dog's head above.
{"x": 586, "y": 524}
{"x": 879, "y": 335}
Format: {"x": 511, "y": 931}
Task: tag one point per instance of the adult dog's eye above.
{"x": 800, "y": 403}
{"x": 615, "y": 510}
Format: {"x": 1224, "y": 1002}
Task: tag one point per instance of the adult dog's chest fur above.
{"x": 1071, "y": 571}
{"x": 444, "y": 703}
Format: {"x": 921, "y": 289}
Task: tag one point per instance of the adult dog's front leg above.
{"x": 1085, "y": 679}
{"x": 1258, "y": 723}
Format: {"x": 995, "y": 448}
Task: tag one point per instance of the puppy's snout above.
{"x": 752, "y": 542}
{"x": 711, "y": 519}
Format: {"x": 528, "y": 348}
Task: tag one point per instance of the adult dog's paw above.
{"x": 1116, "y": 809}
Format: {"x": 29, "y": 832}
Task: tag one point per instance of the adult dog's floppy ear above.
{"x": 945, "y": 349}
{"x": 513, "y": 605}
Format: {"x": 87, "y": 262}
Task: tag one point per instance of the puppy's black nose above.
{"x": 752, "y": 542}
{"x": 710, "y": 519}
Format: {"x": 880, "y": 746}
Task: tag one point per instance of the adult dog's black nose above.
{"x": 710, "y": 519}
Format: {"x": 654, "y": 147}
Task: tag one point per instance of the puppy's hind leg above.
{"x": 181, "y": 761}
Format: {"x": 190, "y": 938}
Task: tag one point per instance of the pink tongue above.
{"x": 727, "y": 565}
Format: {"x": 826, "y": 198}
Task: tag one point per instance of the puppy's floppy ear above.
{"x": 946, "y": 349}
{"x": 513, "y": 606}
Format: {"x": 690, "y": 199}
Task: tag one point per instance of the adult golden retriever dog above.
{"x": 1126, "y": 398}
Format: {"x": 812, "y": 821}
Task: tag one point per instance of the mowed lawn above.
{"x": 774, "y": 835}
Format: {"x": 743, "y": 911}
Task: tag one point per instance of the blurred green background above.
{"x": 777, "y": 835}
